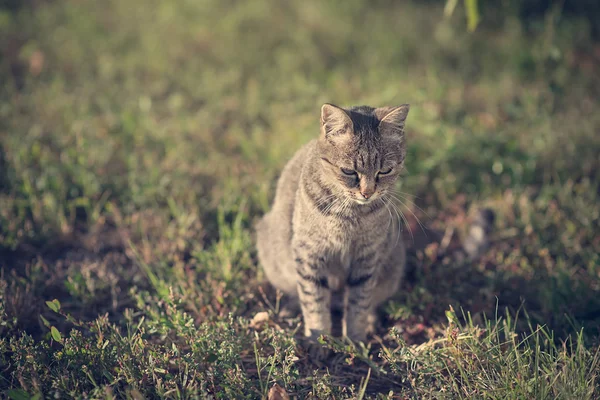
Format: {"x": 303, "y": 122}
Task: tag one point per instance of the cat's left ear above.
{"x": 391, "y": 119}
{"x": 335, "y": 122}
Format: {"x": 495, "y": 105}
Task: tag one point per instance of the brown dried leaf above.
{"x": 277, "y": 393}
{"x": 36, "y": 62}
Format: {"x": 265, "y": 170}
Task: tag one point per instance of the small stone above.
{"x": 259, "y": 319}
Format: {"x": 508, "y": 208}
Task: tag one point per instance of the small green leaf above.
{"x": 55, "y": 334}
{"x": 54, "y": 305}
{"x": 451, "y": 315}
{"x": 18, "y": 394}
{"x": 449, "y": 7}
{"x": 472, "y": 14}
{"x": 212, "y": 357}
{"x": 45, "y": 321}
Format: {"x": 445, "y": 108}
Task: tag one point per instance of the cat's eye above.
{"x": 348, "y": 172}
{"x": 385, "y": 171}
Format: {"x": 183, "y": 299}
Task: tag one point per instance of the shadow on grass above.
{"x": 563, "y": 300}
{"x": 4, "y": 172}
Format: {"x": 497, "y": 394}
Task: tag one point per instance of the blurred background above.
{"x": 140, "y": 140}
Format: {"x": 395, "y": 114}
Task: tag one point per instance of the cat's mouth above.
{"x": 364, "y": 201}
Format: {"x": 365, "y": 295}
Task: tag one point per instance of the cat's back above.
{"x": 274, "y": 231}
{"x": 289, "y": 181}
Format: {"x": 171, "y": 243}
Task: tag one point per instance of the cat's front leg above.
{"x": 361, "y": 284}
{"x": 313, "y": 289}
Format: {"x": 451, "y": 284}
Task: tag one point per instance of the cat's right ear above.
{"x": 391, "y": 119}
{"x": 334, "y": 122}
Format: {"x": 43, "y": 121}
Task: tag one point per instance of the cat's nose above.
{"x": 367, "y": 187}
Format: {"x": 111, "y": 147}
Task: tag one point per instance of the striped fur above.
{"x": 330, "y": 241}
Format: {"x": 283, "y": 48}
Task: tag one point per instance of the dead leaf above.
{"x": 277, "y": 393}
{"x": 36, "y": 62}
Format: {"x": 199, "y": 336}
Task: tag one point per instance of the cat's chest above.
{"x": 353, "y": 230}
{"x": 338, "y": 261}
{"x": 342, "y": 243}
{"x": 345, "y": 258}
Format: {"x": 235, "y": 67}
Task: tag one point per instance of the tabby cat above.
{"x": 330, "y": 240}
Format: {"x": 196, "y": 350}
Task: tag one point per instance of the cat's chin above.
{"x": 363, "y": 201}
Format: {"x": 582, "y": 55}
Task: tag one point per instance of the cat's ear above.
{"x": 391, "y": 119}
{"x": 334, "y": 121}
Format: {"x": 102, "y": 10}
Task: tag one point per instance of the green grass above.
{"x": 141, "y": 140}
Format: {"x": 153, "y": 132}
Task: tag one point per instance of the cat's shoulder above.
{"x": 303, "y": 154}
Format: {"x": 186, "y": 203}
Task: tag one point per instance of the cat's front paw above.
{"x": 358, "y": 335}
{"x": 318, "y": 352}
{"x": 315, "y": 350}
{"x": 314, "y": 333}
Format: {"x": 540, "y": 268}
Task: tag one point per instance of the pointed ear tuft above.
{"x": 334, "y": 121}
{"x": 391, "y": 119}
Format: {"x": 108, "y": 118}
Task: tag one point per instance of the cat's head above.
{"x": 362, "y": 149}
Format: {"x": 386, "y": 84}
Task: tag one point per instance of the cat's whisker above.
{"x": 401, "y": 215}
{"x": 412, "y": 203}
{"x": 332, "y": 205}
{"x": 412, "y": 237}
{"x": 318, "y": 206}
{"x": 400, "y": 222}
{"x": 411, "y": 211}
{"x": 391, "y": 154}
{"x": 327, "y": 209}
{"x": 399, "y": 227}
{"x": 346, "y": 204}
{"x": 404, "y": 219}
{"x": 404, "y": 193}
{"x": 324, "y": 199}
{"x": 389, "y": 212}
{"x": 333, "y": 198}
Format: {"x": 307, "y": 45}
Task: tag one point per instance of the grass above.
{"x": 140, "y": 141}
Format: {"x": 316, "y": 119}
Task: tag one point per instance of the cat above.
{"x": 330, "y": 241}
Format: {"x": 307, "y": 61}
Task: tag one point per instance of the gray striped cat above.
{"x": 330, "y": 241}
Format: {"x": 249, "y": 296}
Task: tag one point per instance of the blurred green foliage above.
{"x": 471, "y": 8}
